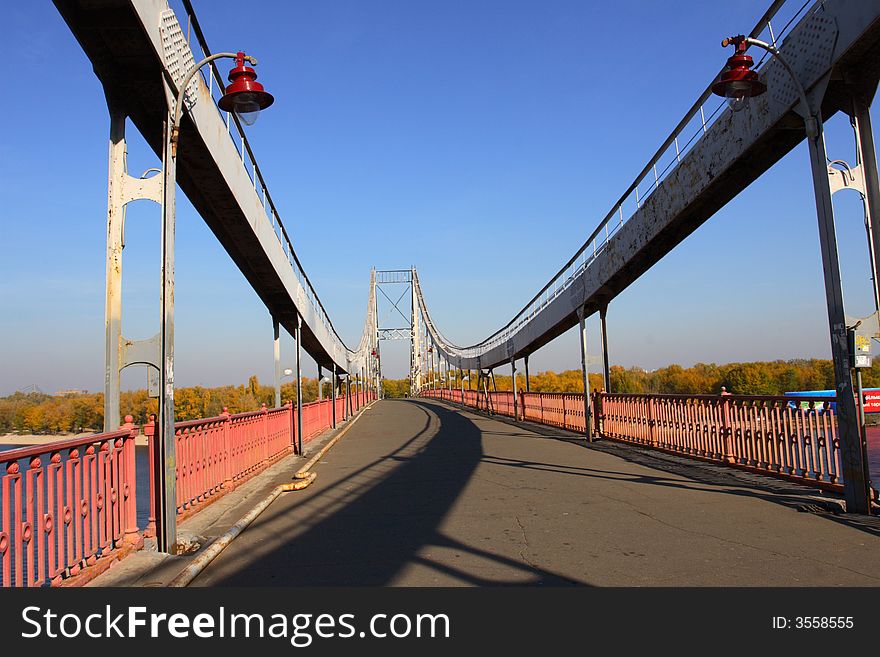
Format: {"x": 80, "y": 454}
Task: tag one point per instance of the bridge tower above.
{"x": 388, "y": 327}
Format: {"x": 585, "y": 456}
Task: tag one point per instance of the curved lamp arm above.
{"x": 178, "y": 105}
{"x": 810, "y": 119}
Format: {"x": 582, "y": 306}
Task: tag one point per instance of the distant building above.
{"x": 71, "y": 393}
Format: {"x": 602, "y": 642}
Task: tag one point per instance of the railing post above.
{"x": 727, "y": 429}
{"x": 227, "y": 448}
{"x": 150, "y": 433}
{"x": 129, "y": 483}
{"x": 652, "y": 422}
{"x": 333, "y": 394}
{"x": 265, "y": 440}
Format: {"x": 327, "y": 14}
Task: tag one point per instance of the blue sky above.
{"x": 480, "y": 141}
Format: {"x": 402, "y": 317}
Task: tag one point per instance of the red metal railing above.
{"x": 318, "y": 417}
{"x": 790, "y": 437}
{"x": 795, "y": 438}
{"x": 216, "y": 453}
{"x": 65, "y": 504}
{"x": 565, "y": 410}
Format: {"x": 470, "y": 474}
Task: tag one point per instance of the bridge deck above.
{"x": 420, "y": 494}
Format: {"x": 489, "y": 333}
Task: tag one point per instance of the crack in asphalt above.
{"x": 522, "y": 555}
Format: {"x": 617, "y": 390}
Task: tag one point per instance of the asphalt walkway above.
{"x": 419, "y": 493}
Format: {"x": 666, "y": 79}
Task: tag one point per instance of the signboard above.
{"x": 872, "y": 400}
{"x": 870, "y": 397}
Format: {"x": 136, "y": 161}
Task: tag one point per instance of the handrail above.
{"x": 708, "y": 397}
{"x": 11, "y": 455}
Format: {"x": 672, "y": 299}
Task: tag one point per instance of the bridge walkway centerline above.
{"x": 420, "y": 493}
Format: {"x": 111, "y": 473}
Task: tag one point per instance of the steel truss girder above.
{"x": 395, "y": 334}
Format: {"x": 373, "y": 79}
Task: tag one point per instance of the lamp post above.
{"x": 246, "y": 97}
{"x": 738, "y": 83}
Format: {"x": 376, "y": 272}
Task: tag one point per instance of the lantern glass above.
{"x": 247, "y": 108}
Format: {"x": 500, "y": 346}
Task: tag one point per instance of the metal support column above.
{"x": 852, "y": 454}
{"x": 276, "y": 330}
{"x": 342, "y": 391}
{"x": 113, "y": 302}
{"x": 156, "y": 352}
{"x": 320, "y": 385}
{"x": 299, "y": 390}
{"x": 513, "y": 384}
{"x": 119, "y": 352}
{"x": 867, "y": 161}
{"x": 415, "y": 368}
{"x": 333, "y": 393}
{"x": 165, "y": 458}
{"x": 376, "y": 373}
{"x": 488, "y": 399}
{"x": 164, "y": 488}
{"x": 586, "y": 375}
{"x": 606, "y": 367}
{"x": 526, "y": 363}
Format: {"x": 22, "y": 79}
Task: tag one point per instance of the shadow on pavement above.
{"x": 723, "y": 479}
{"x": 362, "y": 527}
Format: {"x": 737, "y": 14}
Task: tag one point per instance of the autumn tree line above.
{"x": 756, "y": 378}
{"x": 39, "y": 413}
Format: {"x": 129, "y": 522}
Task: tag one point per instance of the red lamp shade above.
{"x": 738, "y": 80}
{"x": 245, "y": 96}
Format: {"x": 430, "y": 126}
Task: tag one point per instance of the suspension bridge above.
{"x": 460, "y": 483}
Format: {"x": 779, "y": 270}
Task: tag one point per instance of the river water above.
{"x": 142, "y": 479}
